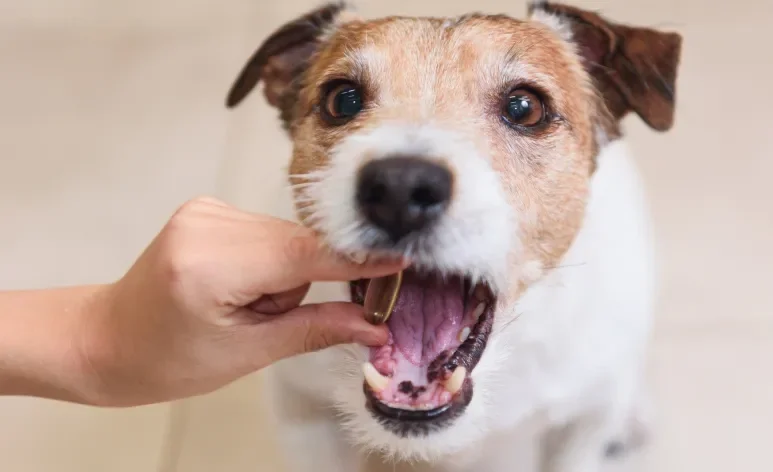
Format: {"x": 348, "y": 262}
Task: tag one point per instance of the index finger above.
{"x": 316, "y": 262}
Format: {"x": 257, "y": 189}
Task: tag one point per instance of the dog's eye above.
{"x": 524, "y": 108}
{"x": 342, "y": 102}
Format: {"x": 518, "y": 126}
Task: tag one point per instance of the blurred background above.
{"x": 111, "y": 115}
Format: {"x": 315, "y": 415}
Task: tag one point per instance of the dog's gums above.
{"x": 438, "y": 331}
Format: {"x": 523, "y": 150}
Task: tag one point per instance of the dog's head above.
{"x": 467, "y": 144}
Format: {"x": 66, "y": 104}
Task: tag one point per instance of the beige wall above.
{"x": 111, "y": 115}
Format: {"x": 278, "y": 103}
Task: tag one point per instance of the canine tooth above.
{"x": 375, "y": 380}
{"x": 464, "y": 334}
{"x": 479, "y": 310}
{"x": 454, "y": 383}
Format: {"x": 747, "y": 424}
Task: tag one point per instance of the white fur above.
{"x": 558, "y": 25}
{"x": 470, "y": 238}
{"x": 562, "y": 367}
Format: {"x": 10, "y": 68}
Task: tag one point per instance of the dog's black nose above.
{"x": 402, "y": 195}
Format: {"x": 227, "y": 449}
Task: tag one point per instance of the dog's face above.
{"x": 467, "y": 144}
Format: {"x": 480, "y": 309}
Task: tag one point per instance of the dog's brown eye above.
{"x": 524, "y": 108}
{"x": 343, "y": 102}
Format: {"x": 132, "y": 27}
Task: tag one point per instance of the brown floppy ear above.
{"x": 281, "y": 59}
{"x": 634, "y": 68}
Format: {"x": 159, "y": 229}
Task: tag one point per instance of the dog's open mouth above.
{"x": 438, "y": 331}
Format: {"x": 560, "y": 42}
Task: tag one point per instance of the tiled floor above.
{"x": 111, "y": 115}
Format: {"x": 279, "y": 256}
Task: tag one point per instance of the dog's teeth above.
{"x": 375, "y": 380}
{"x": 464, "y": 334}
{"x": 479, "y": 311}
{"x": 454, "y": 383}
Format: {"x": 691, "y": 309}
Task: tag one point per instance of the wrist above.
{"x": 44, "y": 343}
{"x": 93, "y": 350}
{"x": 115, "y": 359}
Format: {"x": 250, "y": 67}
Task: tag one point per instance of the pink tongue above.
{"x": 427, "y": 317}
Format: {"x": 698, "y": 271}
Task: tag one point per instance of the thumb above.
{"x": 315, "y": 327}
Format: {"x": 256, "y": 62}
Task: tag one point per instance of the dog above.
{"x": 489, "y": 152}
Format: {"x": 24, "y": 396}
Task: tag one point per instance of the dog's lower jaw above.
{"x": 365, "y": 431}
{"x": 571, "y": 360}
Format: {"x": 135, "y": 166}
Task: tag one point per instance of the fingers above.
{"x": 274, "y": 304}
{"x": 297, "y": 256}
{"x": 310, "y": 260}
{"x": 312, "y": 328}
{"x": 244, "y": 256}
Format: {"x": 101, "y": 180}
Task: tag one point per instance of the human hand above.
{"x": 214, "y": 297}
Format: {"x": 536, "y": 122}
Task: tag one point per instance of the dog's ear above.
{"x": 633, "y": 68}
{"x": 281, "y": 59}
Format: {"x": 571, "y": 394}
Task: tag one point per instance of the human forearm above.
{"x": 42, "y": 341}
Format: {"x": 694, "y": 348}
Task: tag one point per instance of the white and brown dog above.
{"x": 488, "y": 150}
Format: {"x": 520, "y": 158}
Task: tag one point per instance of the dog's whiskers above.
{"x": 507, "y": 325}
{"x": 566, "y": 266}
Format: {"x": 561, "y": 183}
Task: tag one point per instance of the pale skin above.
{"x": 216, "y": 295}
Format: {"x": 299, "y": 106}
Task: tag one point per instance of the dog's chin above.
{"x": 420, "y": 383}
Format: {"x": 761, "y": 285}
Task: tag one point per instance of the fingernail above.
{"x": 358, "y": 257}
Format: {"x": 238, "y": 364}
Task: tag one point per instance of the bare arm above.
{"x": 41, "y": 342}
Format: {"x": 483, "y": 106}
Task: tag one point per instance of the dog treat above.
{"x": 381, "y": 296}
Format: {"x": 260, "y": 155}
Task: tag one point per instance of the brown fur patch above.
{"x": 458, "y": 76}
{"x": 634, "y": 69}
{"x": 457, "y": 73}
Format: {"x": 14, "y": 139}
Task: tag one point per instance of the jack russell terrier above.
{"x": 488, "y": 151}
